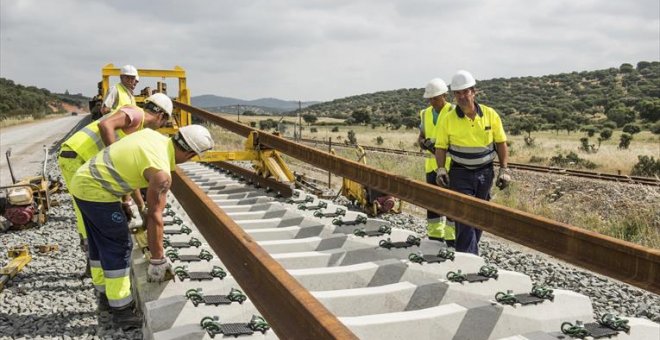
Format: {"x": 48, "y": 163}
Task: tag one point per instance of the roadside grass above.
{"x": 15, "y": 120}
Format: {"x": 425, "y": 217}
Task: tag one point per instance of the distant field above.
{"x": 287, "y": 119}
{"x": 609, "y": 157}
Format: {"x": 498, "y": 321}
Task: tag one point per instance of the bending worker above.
{"x": 91, "y": 139}
{"x": 122, "y": 93}
{"x": 142, "y": 159}
{"x": 438, "y": 227}
{"x": 471, "y": 134}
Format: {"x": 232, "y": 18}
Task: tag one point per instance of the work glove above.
{"x": 126, "y": 207}
{"x": 442, "y": 178}
{"x": 143, "y": 216}
{"x": 428, "y": 144}
{"x": 159, "y": 270}
{"x": 503, "y": 178}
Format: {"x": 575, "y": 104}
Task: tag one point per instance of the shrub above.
{"x": 586, "y": 147}
{"x": 571, "y": 160}
{"x": 335, "y": 129}
{"x": 655, "y": 128}
{"x": 313, "y": 130}
{"x": 646, "y": 166}
{"x": 351, "y": 137}
{"x": 379, "y": 140}
{"x": 253, "y": 124}
{"x": 632, "y": 128}
{"x": 606, "y": 134}
{"x": 609, "y": 124}
{"x": 624, "y": 142}
{"x": 537, "y": 159}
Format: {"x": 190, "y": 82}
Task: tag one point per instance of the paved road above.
{"x": 27, "y": 145}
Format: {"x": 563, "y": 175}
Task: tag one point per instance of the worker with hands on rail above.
{"x": 142, "y": 159}
{"x": 122, "y": 93}
{"x": 91, "y": 139}
{"x": 438, "y": 227}
{"x": 471, "y": 134}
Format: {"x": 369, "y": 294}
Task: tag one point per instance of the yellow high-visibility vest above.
{"x": 430, "y": 131}
{"x": 124, "y": 97}
{"x": 119, "y": 168}
{"x": 470, "y": 143}
{"x": 87, "y": 141}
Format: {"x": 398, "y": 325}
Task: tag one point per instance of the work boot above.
{"x": 126, "y": 318}
{"x": 102, "y": 304}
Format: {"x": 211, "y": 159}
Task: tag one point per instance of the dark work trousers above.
{"x": 476, "y": 183}
{"x": 110, "y": 245}
{"x": 430, "y": 179}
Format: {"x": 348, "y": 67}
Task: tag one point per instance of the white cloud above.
{"x": 319, "y": 50}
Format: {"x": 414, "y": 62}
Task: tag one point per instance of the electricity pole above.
{"x": 238, "y": 112}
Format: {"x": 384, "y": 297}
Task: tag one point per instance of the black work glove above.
{"x": 428, "y": 144}
{"x": 127, "y": 211}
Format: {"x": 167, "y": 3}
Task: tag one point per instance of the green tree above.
{"x": 606, "y": 134}
{"x": 568, "y": 125}
{"x": 621, "y": 115}
{"x": 309, "y": 118}
{"x": 361, "y": 116}
{"x": 649, "y": 110}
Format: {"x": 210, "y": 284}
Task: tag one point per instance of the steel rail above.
{"x": 622, "y": 260}
{"x": 529, "y": 167}
{"x": 290, "y": 309}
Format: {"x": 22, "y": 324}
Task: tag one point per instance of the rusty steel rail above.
{"x": 625, "y": 261}
{"x": 290, "y": 309}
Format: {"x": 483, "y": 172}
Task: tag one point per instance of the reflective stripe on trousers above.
{"x": 437, "y": 225}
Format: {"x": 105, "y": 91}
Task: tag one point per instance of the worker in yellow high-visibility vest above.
{"x": 91, "y": 139}
{"x": 437, "y": 227}
{"x": 471, "y": 134}
{"x": 141, "y": 160}
{"x": 122, "y": 93}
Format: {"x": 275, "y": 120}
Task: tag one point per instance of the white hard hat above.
{"x": 462, "y": 80}
{"x": 196, "y": 137}
{"x": 435, "y": 87}
{"x": 162, "y": 101}
{"x": 129, "y": 70}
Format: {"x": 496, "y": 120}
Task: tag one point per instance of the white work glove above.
{"x": 442, "y": 178}
{"x": 159, "y": 270}
{"x": 503, "y": 178}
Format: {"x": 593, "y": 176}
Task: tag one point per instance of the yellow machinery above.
{"x": 26, "y": 202}
{"x": 181, "y": 117}
{"x": 371, "y": 201}
{"x": 20, "y": 256}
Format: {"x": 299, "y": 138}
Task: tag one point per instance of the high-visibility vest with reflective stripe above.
{"x": 87, "y": 141}
{"x": 119, "y": 168}
{"x": 471, "y": 143}
{"x": 430, "y": 129}
{"x": 123, "y": 97}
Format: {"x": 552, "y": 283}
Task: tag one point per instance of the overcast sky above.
{"x": 316, "y": 49}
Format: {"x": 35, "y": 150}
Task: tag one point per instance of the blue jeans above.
{"x": 476, "y": 183}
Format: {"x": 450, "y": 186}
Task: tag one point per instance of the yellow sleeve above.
{"x": 498, "y": 130}
{"x": 442, "y": 133}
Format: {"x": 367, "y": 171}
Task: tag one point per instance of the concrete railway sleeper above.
{"x": 349, "y": 286}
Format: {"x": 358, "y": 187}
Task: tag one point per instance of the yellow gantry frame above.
{"x": 184, "y": 119}
{"x": 267, "y": 162}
